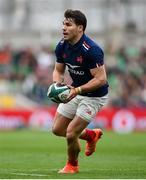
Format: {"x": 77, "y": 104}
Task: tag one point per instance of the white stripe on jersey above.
{"x": 85, "y": 47}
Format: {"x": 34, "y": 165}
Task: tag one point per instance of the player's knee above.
{"x": 57, "y": 132}
{"x": 71, "y": 136}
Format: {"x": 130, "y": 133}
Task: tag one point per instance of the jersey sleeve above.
{"x": 58, "y": 53}
{"x": 95, "y": 57}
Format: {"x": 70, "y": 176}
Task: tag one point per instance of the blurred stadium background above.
{"x": 29, "y": 31}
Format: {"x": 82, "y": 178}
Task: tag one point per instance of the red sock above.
{"x": 88, "y": 136}
{"x": 73, "y": 162}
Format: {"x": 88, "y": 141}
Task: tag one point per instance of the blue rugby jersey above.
{"x": 79, "y": 59}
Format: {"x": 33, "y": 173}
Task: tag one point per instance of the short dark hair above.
{"x": 78, "y": 17}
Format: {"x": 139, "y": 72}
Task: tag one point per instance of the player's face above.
{"x": 71, "y": 31}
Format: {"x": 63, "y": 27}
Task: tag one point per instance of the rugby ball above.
{"x": 58, "y": 92}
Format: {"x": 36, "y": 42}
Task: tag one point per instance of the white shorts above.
{"x": 82, "y": 106}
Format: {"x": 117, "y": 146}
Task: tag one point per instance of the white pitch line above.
{"x": 32, "y": 174}
{"x": 27, "y": 174}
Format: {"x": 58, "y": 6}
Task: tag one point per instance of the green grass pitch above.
{"x": 26, "y": 154}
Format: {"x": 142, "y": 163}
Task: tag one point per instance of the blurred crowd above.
{"x": 127, "y": 76}
{"x": 29, "y": 71}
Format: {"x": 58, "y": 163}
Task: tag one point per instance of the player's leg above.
{"x": 74, "y": 130}
{"x": 60, "y": 124}
{"x": 65, "y": 113}
{"x": 92, "y": 137}
{"x": 87, "y": 110}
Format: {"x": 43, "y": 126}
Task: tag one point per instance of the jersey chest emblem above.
{"x": 79, "y": 59}
{"x": 64, "y": 55}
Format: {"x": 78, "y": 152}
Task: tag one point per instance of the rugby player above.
{"x": 89, "y": 89}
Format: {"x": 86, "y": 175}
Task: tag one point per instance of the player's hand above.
{"x": 72, "y": 94}
{"x": 60, "y": 84}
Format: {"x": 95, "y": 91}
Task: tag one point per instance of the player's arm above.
{"x": 58, "y": 73}
{"x": 97, "y": 70}
{"x": 98, "y": 80}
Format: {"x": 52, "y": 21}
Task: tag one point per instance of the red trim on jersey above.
{"x": 86, "y": 44}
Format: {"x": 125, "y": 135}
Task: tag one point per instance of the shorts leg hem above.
{"x": 70, "y": 116}
{"x": 86, "y": 119}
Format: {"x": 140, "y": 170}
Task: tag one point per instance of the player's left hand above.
{"x": 72, "y": 94}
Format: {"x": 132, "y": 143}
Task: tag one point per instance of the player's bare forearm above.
{"x": 93, "y": 84}
{"x": 57, "y": 77}
{"x": 58, "y": 73}
{"x": 99, "y": 79}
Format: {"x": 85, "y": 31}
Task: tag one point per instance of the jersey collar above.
{"x": 79, "y": 43}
